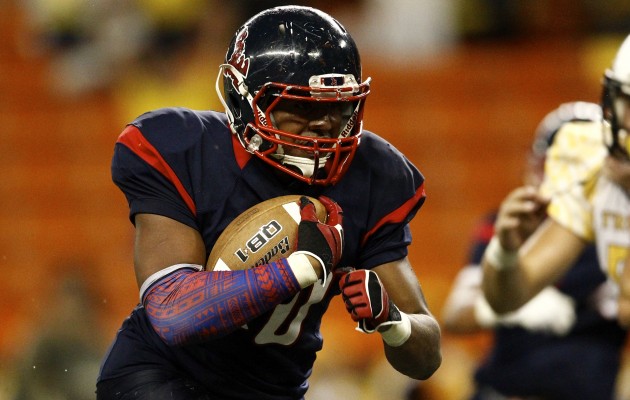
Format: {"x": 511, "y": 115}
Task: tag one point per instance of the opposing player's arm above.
{"x": 420, "y": 355}
{"x": 459, "y": 314}
{"x": 624, "y": 295}
{"x": 509, "y": 282}
{"x": 467, "y": 311}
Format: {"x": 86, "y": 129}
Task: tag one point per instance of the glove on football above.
{"x": 323, "y": 241}
{"x": 367, "y": 301}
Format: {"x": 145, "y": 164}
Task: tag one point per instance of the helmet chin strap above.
{"x": 305, "y": 165}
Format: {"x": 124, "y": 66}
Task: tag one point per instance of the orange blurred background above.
{"x": 464, "y": 114}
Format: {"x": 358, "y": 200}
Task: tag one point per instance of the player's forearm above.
{"x": 188, "y": 306}
{"x": 420, "y": 356}
{"x": 459, "y": 314}
{"x": 624, "y": 296}
{"x": 503, "y": 284}
{"x": 624, "y": 312}
{"x": 504, "y": 290}
{"x": 461, "y": 320}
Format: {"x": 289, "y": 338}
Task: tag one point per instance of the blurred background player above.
{"x": 586, "y": 185}
{"x": 586, "y": 189}
{"x": 558, "y": 345}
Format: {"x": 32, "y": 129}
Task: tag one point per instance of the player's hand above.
{"x": 520, "y": 214}
{"x": 367, "y": 301}
{"x": 322, "y": 241}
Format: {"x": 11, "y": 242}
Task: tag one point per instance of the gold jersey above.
{"x": 584, "y": 200}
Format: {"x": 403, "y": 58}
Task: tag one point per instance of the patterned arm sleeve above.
{"x": 187, "y": 306}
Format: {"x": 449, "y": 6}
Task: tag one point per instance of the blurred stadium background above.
{"x": 458, "y": 85}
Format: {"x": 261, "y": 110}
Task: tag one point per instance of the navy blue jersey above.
{"x": 581, "y": 365}
{"x": 186, "y": 165}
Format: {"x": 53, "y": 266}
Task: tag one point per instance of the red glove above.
{"x": 367, "y": 301}
{"x": 323, "y": 241}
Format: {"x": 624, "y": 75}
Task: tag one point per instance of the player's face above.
{"x": 309, "y": 119}
{"x": 617, "y": 166}
{"x": 623, "y": 114}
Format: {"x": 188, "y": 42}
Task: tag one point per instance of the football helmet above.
{"x": 547, "y": 128}
{"x": 299, "y": 54}
{"x": 616, "y": 102}
{"x": 546, "y": 132}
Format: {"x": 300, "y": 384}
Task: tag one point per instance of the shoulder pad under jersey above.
{"x": 572, "y": 166}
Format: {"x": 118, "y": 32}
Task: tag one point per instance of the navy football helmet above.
{"x": 616, "y": 102}
{"x": 299, "y": 54}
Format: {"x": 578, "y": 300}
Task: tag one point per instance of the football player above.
{"x": 587, "y": 182}
{"x": 538, "y": 350}
{"x": 294, "y": 97}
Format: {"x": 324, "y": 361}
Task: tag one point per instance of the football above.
{"x": 263, "y": 233}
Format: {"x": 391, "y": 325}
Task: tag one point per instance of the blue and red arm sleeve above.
{"x": 187, "y": 306}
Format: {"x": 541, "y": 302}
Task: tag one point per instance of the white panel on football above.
{"x": 221, "y": 266}
{"x": 293, "y": 209}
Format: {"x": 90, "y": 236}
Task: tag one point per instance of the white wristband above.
{"x": 399, "y": 332}
{"x": 484, "y": 314}
{"x": 499, "y": 258}
{"x": 302, "y": 269}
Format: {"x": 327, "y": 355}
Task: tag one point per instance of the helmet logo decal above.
{"x": 261, "y": 116}
{"x": 329, "y": 81}
{"x": 350, "y": 124}
{"x": 238, "y": 59}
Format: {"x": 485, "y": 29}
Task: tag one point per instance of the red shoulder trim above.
{"x": 397, "y": 215}
{"x": 132, "y": 138}
{"x": 241, "y": 155}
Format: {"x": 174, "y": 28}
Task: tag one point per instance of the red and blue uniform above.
{"x": 188, "y": 166}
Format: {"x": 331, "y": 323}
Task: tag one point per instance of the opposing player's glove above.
{"x": 367, "y": 301}
{"x": 323, "y": 241}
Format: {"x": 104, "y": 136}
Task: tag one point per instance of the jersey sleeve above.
{"x": 150, "y": 164}
{"x": 571, "y": 169}
{"x": 401, "y": 193}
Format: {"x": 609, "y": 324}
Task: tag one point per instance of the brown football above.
{"x": 263, "y": 233}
